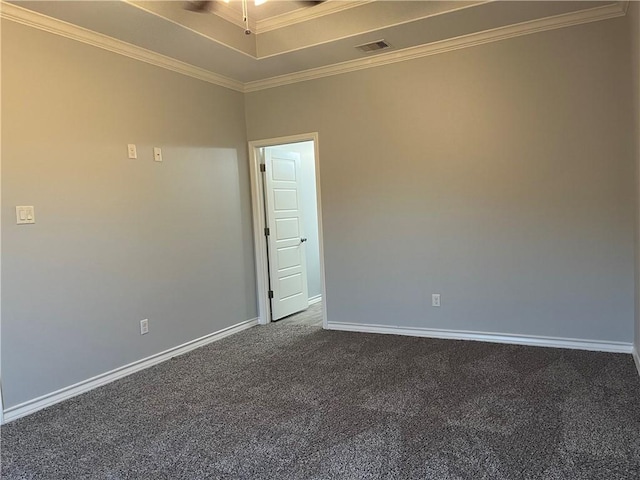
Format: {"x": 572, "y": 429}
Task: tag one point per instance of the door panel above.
{"x": 290, "y": 286}
{"x": 287, "y": 267}
{"x": 284, "y": 170}
{"x": 285, "y": 200}
{"x": 289, "y": 257}
{"x": 287, "y": 228}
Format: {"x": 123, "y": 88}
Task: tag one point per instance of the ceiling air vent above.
{"x": 374, "y": 46}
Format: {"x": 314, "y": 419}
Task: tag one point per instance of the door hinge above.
{"x": 263, "y": 167}
{"x": 267, "y": 232}
{"x": 270, "y": 293}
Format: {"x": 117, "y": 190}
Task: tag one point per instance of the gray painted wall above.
{"x": 501, "y": 176}
{"x": 633, "y": 15}
{"x": 116, "y": 240}
{"x": 310, "y": 212}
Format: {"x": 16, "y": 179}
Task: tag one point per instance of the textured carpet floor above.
{"x": 297, "y": 402}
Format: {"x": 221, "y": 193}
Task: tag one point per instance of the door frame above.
{"x": 258, "y": 209}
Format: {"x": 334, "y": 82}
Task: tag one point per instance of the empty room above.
{"x": 362, "y": 239}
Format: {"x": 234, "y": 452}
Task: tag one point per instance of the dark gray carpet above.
{"x": 297, "y": 402}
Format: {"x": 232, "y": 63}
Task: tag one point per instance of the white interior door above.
{"x": 287, "y": 265}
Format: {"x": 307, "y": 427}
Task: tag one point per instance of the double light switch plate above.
{"x": 25, "y": 215}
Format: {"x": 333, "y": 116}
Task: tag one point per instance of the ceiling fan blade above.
{"x": 199, "y": 6}
{"x": 310, "y": 3}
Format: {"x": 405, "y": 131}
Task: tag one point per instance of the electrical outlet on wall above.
{"x": 144, "y": 326}
{"x": 435, "y": 299}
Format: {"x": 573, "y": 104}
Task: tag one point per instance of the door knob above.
{"x": 302, "y": 240}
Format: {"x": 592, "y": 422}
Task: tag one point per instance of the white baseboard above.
{"x": 636, "y": 357}
{"x": 316, "y": 299}
{"x": 52, "y": 398}
{"x": 593, "y": 345}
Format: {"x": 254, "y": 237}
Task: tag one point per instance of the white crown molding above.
{"x": 304, "y": 14}
{"x": 33, "y": 19}
{"x": 636, "y": 358}
{"x": 502, "y": 33}
{"x": 32, "y": 406}
{"x": 535, "y": 341}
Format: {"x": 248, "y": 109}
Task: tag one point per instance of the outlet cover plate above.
{"x": 435, "y": 300}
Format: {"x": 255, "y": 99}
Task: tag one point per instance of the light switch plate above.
{"x": 157, "y": 154}
{"x": 131, "y": 149}
{"x": 25, "y": 215}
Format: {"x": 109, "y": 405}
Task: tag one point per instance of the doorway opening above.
{"x": 287, "y": 221}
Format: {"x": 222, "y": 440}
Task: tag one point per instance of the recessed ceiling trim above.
{"x": 58, "y": 27}
{"x": 502, "y": 33}
{"x": 304, "y": 14}
{"x": 181, "y": 25}
{"x": 234, "y": 16}
{"x": 472, "y": 4}
{"x": 36, "y": 20}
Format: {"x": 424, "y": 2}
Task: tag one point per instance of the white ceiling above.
{"x": 289, "y": 38}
